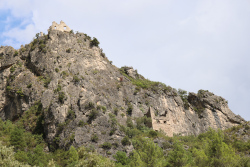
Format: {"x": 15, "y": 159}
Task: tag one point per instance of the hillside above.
{"x": 62, "y": 86}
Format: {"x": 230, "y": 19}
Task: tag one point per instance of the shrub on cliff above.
{"x": 94, "y": 42}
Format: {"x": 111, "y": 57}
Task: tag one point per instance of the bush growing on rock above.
{"x": 75, "y": 78}
{"x": 89, "y": 106}
{"x": 68, "y": 50}
{"x": 125, "y": 141}
{"x": 94, "y": 42}
{"x": 94, "y": 138}
{"x": 93, "y": 115}
{"x": 106, "y": 145}
{"x": 121, "y": 158}
{"x": 16, "y": 53}
{"x": 61, "y": 97}
{"x": 130, "y": 109}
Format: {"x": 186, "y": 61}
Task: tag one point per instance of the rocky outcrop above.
{"x": 84, "y": 97}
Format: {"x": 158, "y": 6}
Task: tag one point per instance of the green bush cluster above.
{"x": 94, "y": 42}
{"x": 183, "y": 94}
{"x": 106, "y": 145}
{"x": 61, "y": 97}
{"x": 75, "y": 78}
{"x": 143, "y": 83}
{"x": 64, "y": 74}
{"x": 16, "y": 53}
{"x": 12, "y": 69}
{"x": 93, "y": 115}
{"x": 58, "y": 89}
{"x": 143, "y": 122}
{"x": 94, "y": 138}
{"x": 33, "y": 119}
{"x": 68, "y": 50}
{"x": 113, "y": 124}
{"x": 46, "y": 80}
{"x": 212, "y": 148}
{"x": 71, "y": 114}
{"x": 20, "y": 92}
{"x": 82, "y": 123}
{"x": 29, "y": 85}
{"x": 89, "y": 105}
{"x": 125, "y": 141}
{"x": 130, "y": 109}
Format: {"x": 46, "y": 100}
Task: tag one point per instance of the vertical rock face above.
{"x": 205, "y": 110}
{"x": 82, "y": 94}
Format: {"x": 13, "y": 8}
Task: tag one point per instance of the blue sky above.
{"x": 190, "y": 45}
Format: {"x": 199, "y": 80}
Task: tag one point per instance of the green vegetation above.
{"x": 94, "y": 42}
{"x": 71, "y": 114}
{"x": 46, "y": 80}
{"x": 82, "y": 123}
{"x": 61, "y": 97}
{"x": 116, "y": 111}
{"x": 89, "y": 105}
{"x": 106, "y": 145}
{"x": 75, "y": 78}
{"x": 68, "y": 50}
{"x": 125, "y": 141}
{"x": 103, "y": 108}
{"x": 16, "y": 53}
{"x": 64, "y": 74}
{"x": 23, "y": 49}
{"x": 29, "y": 85}
{"x": 32, "y": 119}
{"x": 20, "y": 92}
{"x": 19, "y": 147}
{"x": 143, "y": 122}
{"x": 130, "y": 109}
{"x": 94, "y": 138}
{"x": 95, "y": 72}
{"x": 8, "y": 88}
{"x": 58, "y": 89}
{"x": 93, "y": 115}
{"x": 12, "y": 69}
{"x": 113, "y": 124}
{"x": 143, "y": 83}
{"x": 184, "y": 97}
{"x": 56, "y": 69}
{"x": 201, "y": 93}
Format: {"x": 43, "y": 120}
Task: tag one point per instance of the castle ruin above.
{"x": 60, "y": 27}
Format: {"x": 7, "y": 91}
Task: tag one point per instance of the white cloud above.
{"x": 19, "y": 9}
{"x": 16, "y": 36}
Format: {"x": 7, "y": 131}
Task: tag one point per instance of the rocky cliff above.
{"x": 62, "y": 85}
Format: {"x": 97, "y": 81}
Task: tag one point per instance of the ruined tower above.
{"x": 60, "y": 27}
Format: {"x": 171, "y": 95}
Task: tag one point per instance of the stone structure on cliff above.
{"x": 72, "y": 80}
{"x": 60, "y": 27}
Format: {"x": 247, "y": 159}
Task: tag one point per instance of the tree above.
{"x": 215, "y": 152}
{"x": 72, "y": 155}
{"x": 178, "y": 156}
{"x": 17, "y": 138}
{"x": 147, "y": 154}
{"x": 7, "y": 157}
{"x": 94, "y": 42}
{"x": 121, "y": 157}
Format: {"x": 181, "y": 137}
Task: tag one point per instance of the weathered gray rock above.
{"x": 80, "y": 90}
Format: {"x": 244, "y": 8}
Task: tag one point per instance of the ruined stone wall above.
{"x": 60, "y": 27}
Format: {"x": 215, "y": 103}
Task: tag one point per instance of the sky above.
{"x": 192, "y": 45}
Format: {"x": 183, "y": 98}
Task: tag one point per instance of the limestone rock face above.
{"x": 84, "y": 97}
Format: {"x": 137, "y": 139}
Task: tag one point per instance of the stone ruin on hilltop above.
{"x": 60, "y": 27}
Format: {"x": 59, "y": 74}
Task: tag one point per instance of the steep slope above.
{"x": 63, "y": 86}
